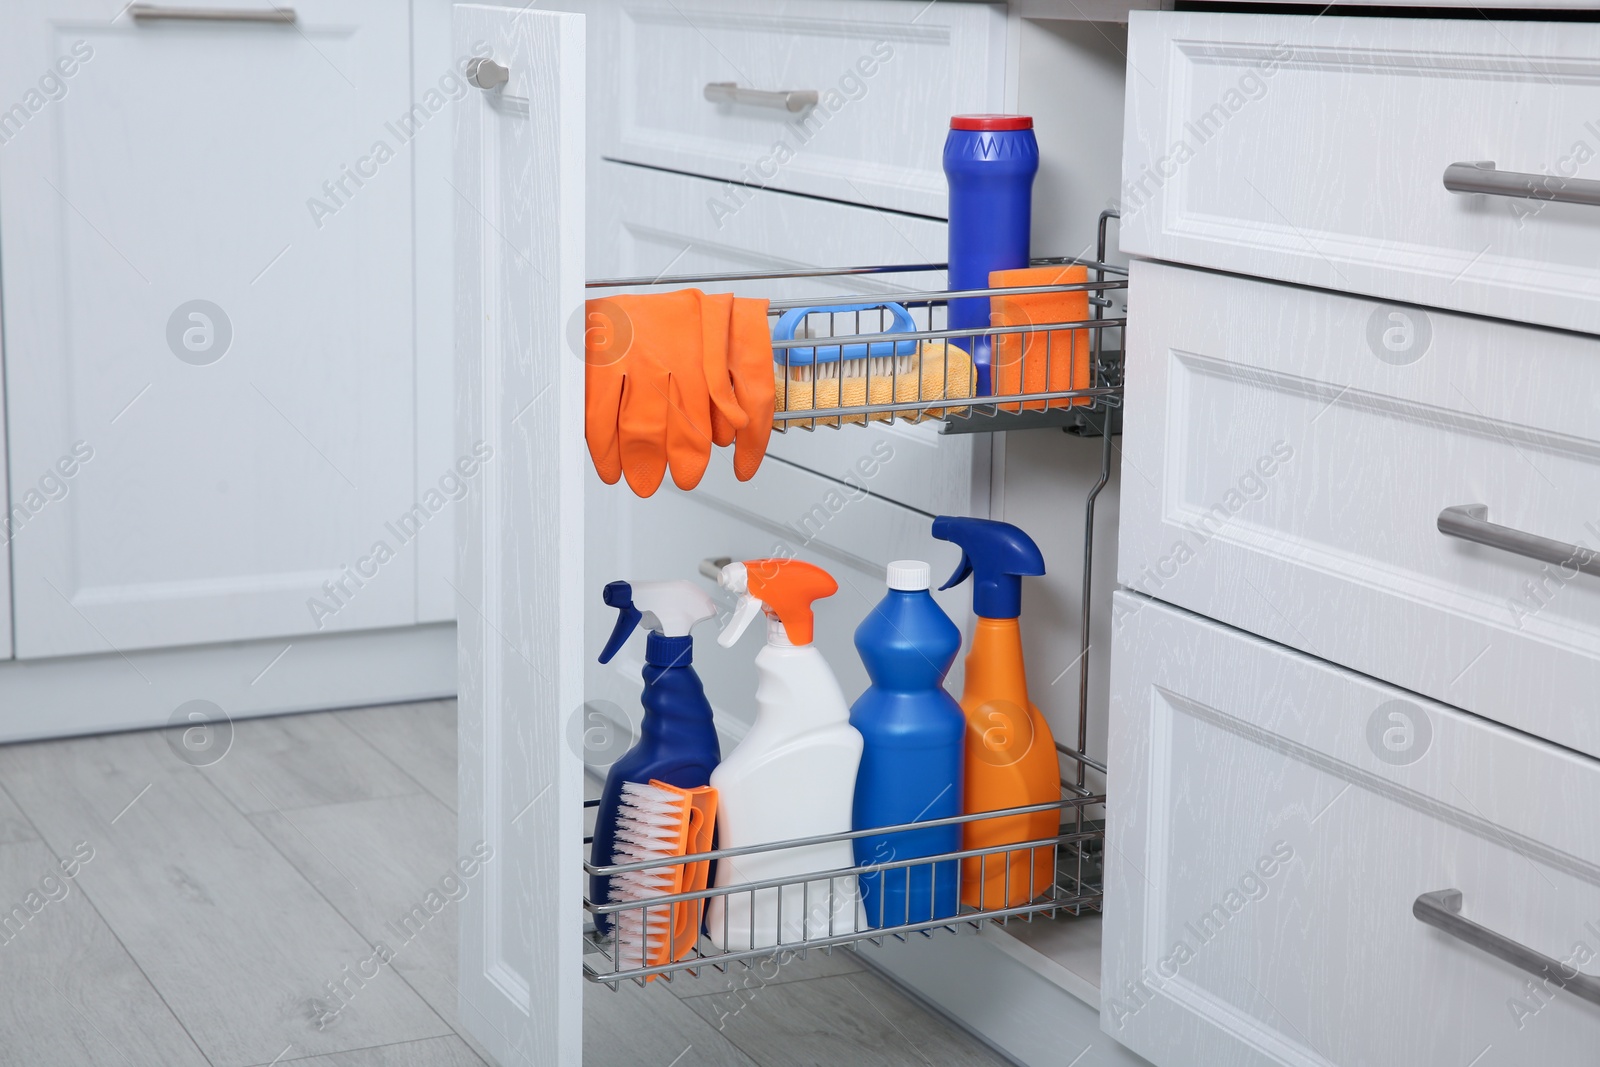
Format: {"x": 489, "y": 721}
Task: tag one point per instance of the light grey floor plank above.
{"x": 14, "y": 827}
{"x": 778, "y": 969}
{"x": 297, "y": 761}
{"x": 397, "y": 880}
{"x": 233, "y": 938}
{"x": 857, "y": 1019}
{"x": 434, "y": 1052}
{"x": 69, "y": 993}
{"x": 419, "y": 738}
{"x": 652, "y": 1028}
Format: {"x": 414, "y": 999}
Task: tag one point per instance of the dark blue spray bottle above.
{"x": 677, "y": 740}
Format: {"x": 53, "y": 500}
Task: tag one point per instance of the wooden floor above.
{"x": 155, "y": 912}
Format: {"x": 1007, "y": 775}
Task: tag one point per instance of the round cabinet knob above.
{"x": 487, "y": 74}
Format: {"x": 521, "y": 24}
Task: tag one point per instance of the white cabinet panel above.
{"x": 251, "y": 453}
{"x": 887, "y": 77}
{"x": 1272, "y": 821}
{"x": 520, "y": 268}
{"x": 648, "y": 223}
{"x": 1313, "y": 150}
{"x": 10, "y": 523}
{"x": 783, "y": 511}
{"x": 1287, "y": 456}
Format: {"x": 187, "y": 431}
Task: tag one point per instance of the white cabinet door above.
{"x": 206, "y": 230}
{"x": 1273, "y": 821}
{"x": 519, "y": 283}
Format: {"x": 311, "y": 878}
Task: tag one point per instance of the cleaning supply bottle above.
{"x": 677, "y": 741}
{"x": 793, "y": 775}
{"x": 911, "y": 765}
{"x": 989, "y": 162}
{"x": 1011, "y": 754}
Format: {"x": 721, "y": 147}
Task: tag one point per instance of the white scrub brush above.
{"x": 660, "y": 822}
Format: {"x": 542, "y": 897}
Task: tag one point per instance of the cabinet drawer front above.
{"x": 648, "y": 223}
{"x": 1287, "y": 467}
{"x": 887, "y": 77}
{"x": 1273, "y": 820}
{"x": 1314, "y": 151}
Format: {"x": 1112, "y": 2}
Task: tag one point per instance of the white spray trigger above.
{"x": 672, "y": 608}
{"x": 734, "y": 580}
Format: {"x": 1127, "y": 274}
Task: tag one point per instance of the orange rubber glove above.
{"x": 647, "y": 401}
{"x": 749, "y": 363}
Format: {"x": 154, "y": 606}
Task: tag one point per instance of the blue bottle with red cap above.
{"x": 990, "y": 162}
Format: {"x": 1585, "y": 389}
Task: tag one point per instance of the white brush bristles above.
{"x": 650, "y": 825}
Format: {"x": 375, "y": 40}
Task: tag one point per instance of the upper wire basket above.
{"x": 888, "y": 354}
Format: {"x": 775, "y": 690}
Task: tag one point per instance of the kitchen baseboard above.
{"x": 60, "y": 697}
{"x": 981, "y": 981}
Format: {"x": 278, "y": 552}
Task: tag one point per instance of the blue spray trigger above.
{"x": 619, "y": 595}
{"x": 963, "y": 570}
{"x": 997, "y": 555}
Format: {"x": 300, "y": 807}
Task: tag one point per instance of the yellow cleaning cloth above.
{"x": 941, "y": 372}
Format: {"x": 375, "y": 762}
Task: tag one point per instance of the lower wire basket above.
{"x": 830, "y": 904}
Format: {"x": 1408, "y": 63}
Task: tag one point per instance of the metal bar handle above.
{"x": 782, "y": 99}
{"x": 1470, "y": 522}
{"x": 167, "y": 13}
{"x": 1482, "y": 177}
{"x": 1443, "y": 910}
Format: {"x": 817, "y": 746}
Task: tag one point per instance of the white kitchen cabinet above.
{"x": 531, "y": 620}
{"x": 238, "y": 461}
{"x": 1293, "y": 842}
{"x": 1273, "y": 821}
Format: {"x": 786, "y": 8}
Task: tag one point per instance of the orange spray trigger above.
{"x": 786, "y": 588}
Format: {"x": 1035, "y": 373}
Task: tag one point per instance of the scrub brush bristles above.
{"x": 659, "y": 822}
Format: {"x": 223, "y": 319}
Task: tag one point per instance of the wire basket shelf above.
{"x": 831, "y": 903}
{"x": 888, "y": 354}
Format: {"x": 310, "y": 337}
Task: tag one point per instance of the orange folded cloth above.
{"x": 1046, "y": 361}
{"x": 669, "y": 374}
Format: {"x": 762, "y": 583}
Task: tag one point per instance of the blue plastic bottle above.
{"x": 989, "y": 163}
{"x": 677, "y": 740}
{"x": 911, "y": 765}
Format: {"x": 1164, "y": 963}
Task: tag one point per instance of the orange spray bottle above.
{"x": 1011, "y": 753}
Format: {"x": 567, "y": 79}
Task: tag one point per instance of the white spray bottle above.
{"x": 793, "y": 775}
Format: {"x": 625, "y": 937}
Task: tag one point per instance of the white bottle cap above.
{"x": 908, "y": 575}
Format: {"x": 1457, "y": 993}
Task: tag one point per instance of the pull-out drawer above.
{"x": 1289, "y": 455}
{"x": 848, "y": 100}
{"x": 1273, "y": 822}
{"x": 646, "y": 223}
{"x": 1315, "y": 150}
